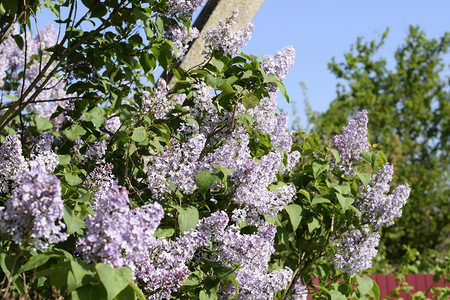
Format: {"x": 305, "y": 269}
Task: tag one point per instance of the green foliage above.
{"x": 409, "y": 113}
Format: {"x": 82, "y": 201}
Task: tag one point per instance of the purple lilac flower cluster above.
{"x": 250, "y": 251}
{"x": 123, "y": 237}
{"x": 356, "y": 250}
{"x": 11, "y": 161}
{"x": 34, "y": 211}
{"x": 378, "y": 207}
{"x": 281, "y": 64}
{"x": 352, "y": 142}
{"x": 225, "y": 38}
{"x": 300, "y": 291}
{"x": 181, "y": 37}
{"x": 159, "y": 102}
{"x": 184, "y": 8}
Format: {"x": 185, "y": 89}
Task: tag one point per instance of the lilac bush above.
{"x": 193, "y": 188}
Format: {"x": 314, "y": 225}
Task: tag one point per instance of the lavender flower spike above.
{"x": 378, "y": 208}
{"x": 35, "y": 210}
{"x": 356, "y": 251}
{"x": 224, "y": 38}
{"x": 352, "y": 142}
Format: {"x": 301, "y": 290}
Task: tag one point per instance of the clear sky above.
{"x": 321, "y": 29}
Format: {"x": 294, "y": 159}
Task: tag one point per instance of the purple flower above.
{"x": 281, "y": 64}
{"x": 225, "y": 38}
{"x": 34, "y": 211}
{"x": 351, "y": 142}
{"x": 378, "y": 207}
{"x": 181, "y": 37}
{"x": 356, "y": 251}
{"x": 184, "y": 8}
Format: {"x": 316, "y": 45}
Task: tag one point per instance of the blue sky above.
{"x": 321, "y": 29}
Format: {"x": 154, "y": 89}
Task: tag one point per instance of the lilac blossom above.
{"x": 225, "y": 38}
{"x": 43, "y": 154}
{"x": 181, "y": 37}
{"x": 300, "y": 291}
{"x": 95, "y": 151}
{"x": 113, "y": 124}
{"x": 378, "y": 207}
{"x": 125, "y": 238}
{"x": 351, "y": 142}
{"x": 184, "y": 8}
{"x": 281, "y": 64}
{"x": 35, "y": 209}
{"x": 250, "y": 251}
{"x": 159, "y": 102}
{"x": 356, "y": 251}
{"x": 177, "y": 165}
{"x": 11, "y": 161}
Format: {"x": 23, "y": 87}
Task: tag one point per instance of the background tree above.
{"x": 409, "y": 112}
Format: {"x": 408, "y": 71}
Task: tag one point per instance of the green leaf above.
{"x": 72, "y": 179}
{"x": 96, "y": 116}
{"x": 19, "y": 40}
{"x": 77, "y": 275}
{"x": 64, "y": 159}
{"x": 137, "y": 290}
{"x": 126, "y": 294}
{"x": 205, "y": 180}
{"x": 320, "y": 200}
{"x": 364, "y": 177}
{"x": 375, "y": 291}
{"x": 164, "y": 232}
{"x": 89, "y": 291}
{"x": 218, "y": 64}
{"x": 37, "y": 261}
{"x": 250, "y": 100}
{"x": 336, "y": 295}
{"x": 365, "y": 284}
{"x": 147, "y": 61}
{"x": 342, "y": 189}
{"x": 187, "y": 218}
{"x": 74, "y": 132}
{"x": 114, "y": 280}
{"x": 313, "y": 225}
{"x": 318, "y": 168}
{"x": 74, "y": 224}
{"x": 295, "y": 214}
{"x": 345, "y": 202}
{"x": 43, "y": 124}
{"x": 207, "y": 295}
{"x": 139, "y": 134}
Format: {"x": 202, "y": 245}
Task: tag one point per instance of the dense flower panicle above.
{"x": 225, "y": 38}
{"x": 176, "y": 165}
{"x": 202, "y": 101}
{"x": 378, "y": 207}
{"x": 96, "y": 151}
{"x": 352, "y": 142}
{"x": 184, "y": 8}
{"x": 113, "y": 124}
{"x": 159, "y": 102}
{"x": 181, "y": 37}
{"x": 43, "y": 154}
{"x": 254, "y": 180}
{"x": 250, "y": 251}
{"x": 356, "y": 251}
{"x": 115, "y": 234}
{"x": 35, "y": 209}
{"x": 11, "y": 161}
{"x": 300, "y": 291}
{"x": 281, "y": 64}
